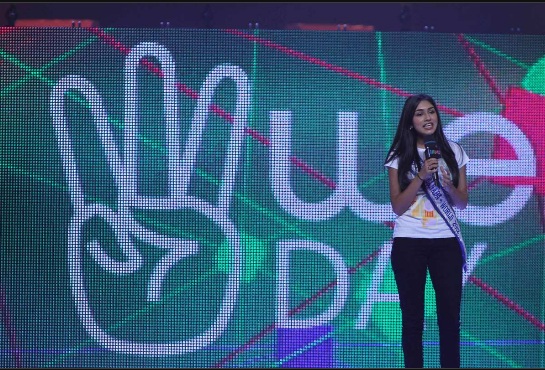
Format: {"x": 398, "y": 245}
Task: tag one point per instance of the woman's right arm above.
{"x": 401, "y": 201}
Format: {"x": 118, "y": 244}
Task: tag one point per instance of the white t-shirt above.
{"x": 421, "y": 220}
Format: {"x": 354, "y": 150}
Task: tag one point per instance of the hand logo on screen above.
{"x": 121, "y": 218}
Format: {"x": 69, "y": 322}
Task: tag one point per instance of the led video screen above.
{"x": 218, "y": 198}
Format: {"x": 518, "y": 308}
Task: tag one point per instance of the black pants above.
{"x": 411, "y": 259}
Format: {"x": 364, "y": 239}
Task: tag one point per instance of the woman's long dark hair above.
{"x": 404, "y": 144}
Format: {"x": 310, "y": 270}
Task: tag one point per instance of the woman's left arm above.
{"x": 458, "y": 194}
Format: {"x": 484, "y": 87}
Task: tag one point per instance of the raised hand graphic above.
{"x": 120, "y": 217}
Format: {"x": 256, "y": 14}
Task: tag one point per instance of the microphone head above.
{"x": 429, "y": 139}
{"x": 432, "y": 150}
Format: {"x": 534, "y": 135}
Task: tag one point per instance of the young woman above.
{"x": 426, "y": 234}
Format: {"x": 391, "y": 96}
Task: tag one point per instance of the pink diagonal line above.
{"x": 496, "y": 294}
{"x": 316, "y": 61}
{"x": 270, "y": 328}
{"x": 214, "y": 108}
{"x": 481, "y": 68}
{"x": 256, "y": 338}
{"x": 334, "y": 68}
{"x": 508, "y": 303}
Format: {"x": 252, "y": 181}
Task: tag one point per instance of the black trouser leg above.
{"x": 409, "y": 266}
{"x": 446, "y": 273}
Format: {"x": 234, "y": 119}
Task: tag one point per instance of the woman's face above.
{"x": 425, "y": 119}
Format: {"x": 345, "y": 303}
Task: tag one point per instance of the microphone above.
{"x": 432, "y": 151}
